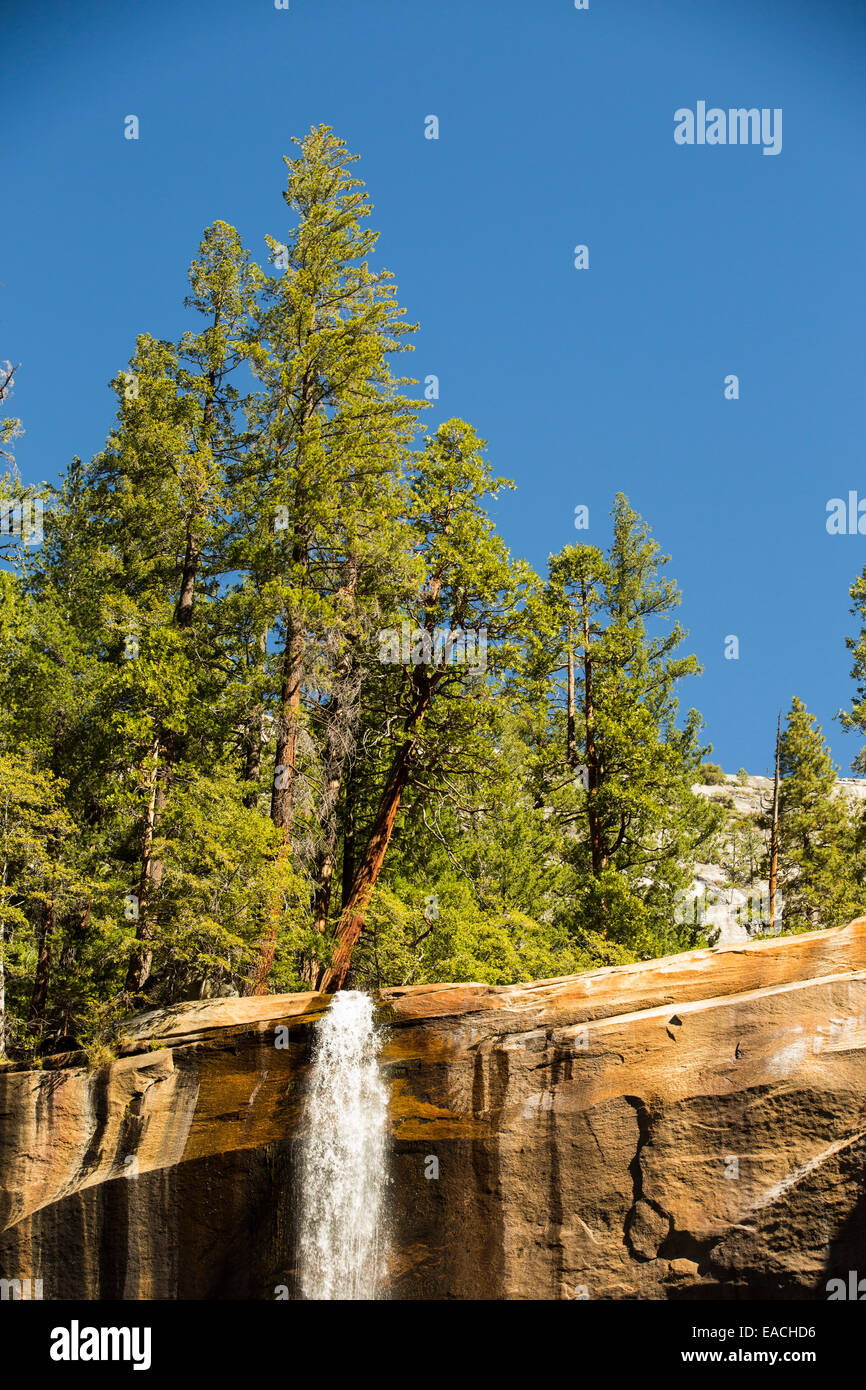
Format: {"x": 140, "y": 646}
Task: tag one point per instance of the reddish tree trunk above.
{"x": 353, "y": 916}
{"x": 354, "y": 913}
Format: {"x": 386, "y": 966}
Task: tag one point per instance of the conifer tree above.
{"x": 815, "y": 830}
{"x": 132, "y": 559}
{"x": 149, "y": 502}
{"x": 321, "y": 495}
{"x": 643, "y": 824}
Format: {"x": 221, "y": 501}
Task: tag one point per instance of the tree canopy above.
{"x": 280, "y": 711}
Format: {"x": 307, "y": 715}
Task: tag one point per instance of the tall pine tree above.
{"x": 816, "y": 839}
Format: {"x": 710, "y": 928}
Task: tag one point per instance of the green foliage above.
{"x": 712, "y": 775}
{"x": 405, "y": 945}
{"x": 230, "y": 703}
{"x": 745, "y": 851}
{"x": 36, "y": 870}
{"x": 635, "y": 824}
{"x": 817, "y": 831}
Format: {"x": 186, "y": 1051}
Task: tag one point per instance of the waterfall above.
{"x": 342, "y": 1247}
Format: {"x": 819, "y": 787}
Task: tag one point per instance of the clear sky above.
{"x": 556, "y": 128}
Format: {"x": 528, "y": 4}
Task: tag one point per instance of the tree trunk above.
{"x": 252, "y": 746}
{"x": 258, "y": 981}
{"x": 326, "y": 866}
{"x": 254, "y": 732}
{"x": 349, "y": 829}
{"x": 150, "y": 881}
{"x": 151, "y": 869}
{"x": 570, "y": 736}
{"x": 282, "y": 793}
{"x": 39, "y": 997}
{"x": 352, "y": 918}
{"x": 599, "y": 856}
{"x": 285, "y": 760}
{"x": 341, "y": 727}
{"x": 774, "y": 828}
{"x": 192, "y": 555}
{"x": 75, "y": 937}
{"x": 353, "y": 915}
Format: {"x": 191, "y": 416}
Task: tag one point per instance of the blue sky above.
{"x": 556, "y": 129}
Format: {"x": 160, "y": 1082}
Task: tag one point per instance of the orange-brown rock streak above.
{"x": 694, "y": 1126}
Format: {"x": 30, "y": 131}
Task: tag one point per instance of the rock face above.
{"x": 734, "y": 909}
{"x": 693, "y": 1127}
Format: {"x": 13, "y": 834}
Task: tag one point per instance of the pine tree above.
{"x": 130, "y": 580}
{"x": 319, "y": 498}
{"x": 815, "y": 830}
{"x": 643, "y": 823}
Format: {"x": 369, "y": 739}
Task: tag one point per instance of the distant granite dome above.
{"x": 730, "y": 902}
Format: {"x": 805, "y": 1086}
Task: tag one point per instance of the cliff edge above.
{"x": 682, "y": 1128}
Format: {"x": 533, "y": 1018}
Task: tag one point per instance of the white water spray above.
{"x": 342, "y": 1247}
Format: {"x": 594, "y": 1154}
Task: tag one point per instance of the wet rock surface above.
{"x": 693, "y": 1127}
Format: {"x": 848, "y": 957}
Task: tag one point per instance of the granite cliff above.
{"x": 684, "y": 1128}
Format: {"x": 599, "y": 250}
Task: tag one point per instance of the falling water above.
{"x": 342, "y": 1249}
